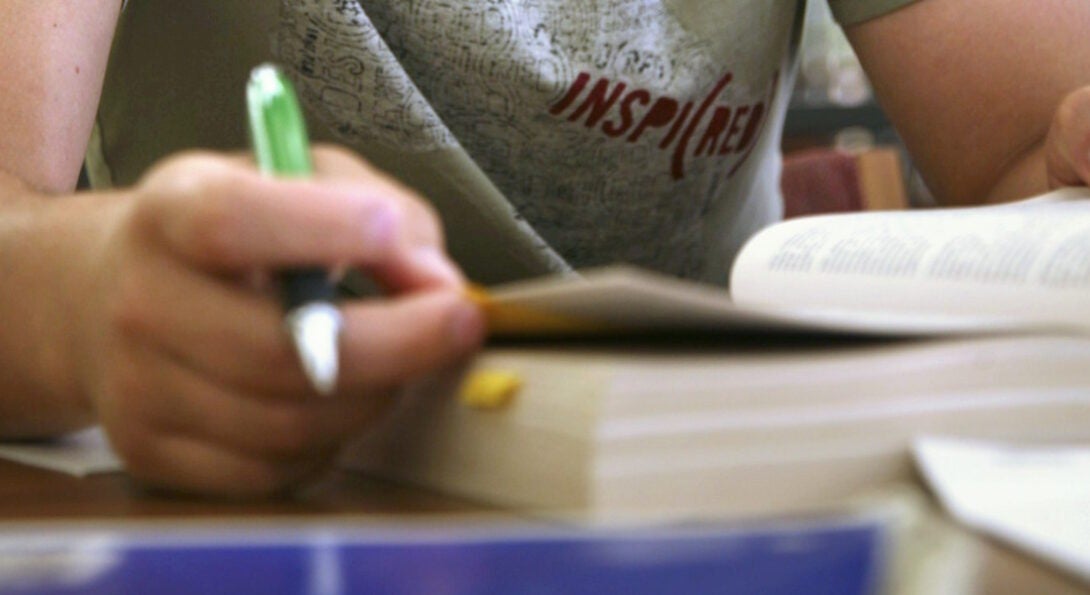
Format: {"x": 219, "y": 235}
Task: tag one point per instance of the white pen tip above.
{"x": 316, "y": 328}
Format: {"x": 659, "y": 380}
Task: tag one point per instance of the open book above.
{"x": 1014, "y": 266}
{"x": 961, "y": 322}
{"x": 1027, "y": 261}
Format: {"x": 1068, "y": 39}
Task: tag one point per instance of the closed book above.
{"x": 735, "y": 427}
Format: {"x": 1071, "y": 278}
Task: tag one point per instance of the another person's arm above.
{"x": 144, "y": 308}
{"x": 989, "y": 95}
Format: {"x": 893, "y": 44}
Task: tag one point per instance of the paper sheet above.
{"x": 80, "y": 454}
{"x": 1034, "y": 498}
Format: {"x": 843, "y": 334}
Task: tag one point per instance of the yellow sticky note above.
{"x": 490, "y": 389}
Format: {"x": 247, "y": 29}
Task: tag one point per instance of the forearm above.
{"x": 53, "y": 57}
{"x": 1056, "y": 155}
{"x": 973, "y": 86}
{"x": 1022, "y": 175}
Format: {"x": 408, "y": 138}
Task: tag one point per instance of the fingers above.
{"x": 178, "y": 427}
{"x": 424, "y": 263}
{"x": 339, "y": 165}
{"x": 1068, "y": 142}
{"x": 174, "y": 428}
{"x": 237, "y": 337}
{"x": 158, "y": 425}
{"x": 195, "y": 378}
{"x": 385, "y": 344}
{"x": 222, "y": 216}
{"x": 224, "y": 330}
{"x": 233, "y": 333}
{"x": 188, "y": 404}
{"x": 191, "y": 465}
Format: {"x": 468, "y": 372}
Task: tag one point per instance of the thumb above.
{"x": 1067, "y": 147}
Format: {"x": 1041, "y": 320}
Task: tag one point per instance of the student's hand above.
{"x": 1067, "y": 147}
{"x": 183, "y": 354}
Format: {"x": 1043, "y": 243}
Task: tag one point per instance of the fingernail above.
{"x": 380, "y": 228}
{"x": 467, "y": 326}
{"x": 434, "y": 263}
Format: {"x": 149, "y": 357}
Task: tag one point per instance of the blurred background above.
{"x": 836, "y": 137}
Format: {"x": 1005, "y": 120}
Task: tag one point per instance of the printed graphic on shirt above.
{"x": 609, "y": 125}
{"x": 348, "y": 72}
{"x": 737, "y": 125}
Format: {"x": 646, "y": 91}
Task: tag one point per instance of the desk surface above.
{"x": 29, "y": 495}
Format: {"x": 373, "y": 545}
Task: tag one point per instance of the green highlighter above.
{"x": 279, "y": 136}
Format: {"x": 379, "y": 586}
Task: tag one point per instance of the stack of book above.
{"x": 844, "y": 338}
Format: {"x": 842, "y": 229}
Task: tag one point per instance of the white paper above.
{"x": 1027, "y": 261}
{"x": 80, "y": 454}
{"x": 1034, "y": 498}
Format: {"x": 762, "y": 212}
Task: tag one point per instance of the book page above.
{"x": 1031, "y": 496}
{"x": 1028, "y": 261}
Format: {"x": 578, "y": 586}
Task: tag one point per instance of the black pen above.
{"x": 280, "y": 144}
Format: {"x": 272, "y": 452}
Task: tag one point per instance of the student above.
{"x": 636, "y": 130}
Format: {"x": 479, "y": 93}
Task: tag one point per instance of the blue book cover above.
{"x": 846, "y": 557}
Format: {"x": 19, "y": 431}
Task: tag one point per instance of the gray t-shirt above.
{"x": 550, "y": 135}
